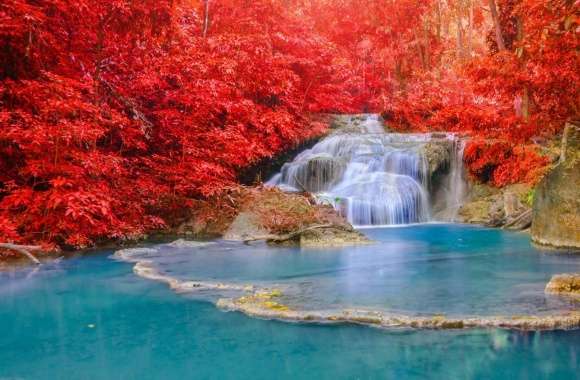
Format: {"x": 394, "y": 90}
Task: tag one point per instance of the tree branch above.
{"x": 286, "y": 237}
{"x": 130, "y": 108}
{"x": 24, "y": 250}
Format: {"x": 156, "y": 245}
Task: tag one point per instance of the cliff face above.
{"x": 556, "y": 209}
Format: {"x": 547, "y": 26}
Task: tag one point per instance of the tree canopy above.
{"x": 116, "y": 116}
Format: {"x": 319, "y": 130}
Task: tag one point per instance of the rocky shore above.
{"x": 262, "y": 306}
{"x": 280, "y": 218}
{"x": 564, "y": 285}
{"x": 268, "y": 303}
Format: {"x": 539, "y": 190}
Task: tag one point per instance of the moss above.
{"x": 453, "y": 324}
{"x": 529, "y": 197}
{"x": 274, "y": 306}
{"x": 264, "y": 300}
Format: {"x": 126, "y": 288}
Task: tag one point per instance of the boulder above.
{"x": 564, "y": 284}
{"x": 245, "y": 224}
{"x": 336, "y": 236}
{"x": 290, "y": 219}
{"x": 556, "y": 209}
{"x": 497, "y": 207}
{"x": 438, "y": 156}
{"x": 315, "y": 174}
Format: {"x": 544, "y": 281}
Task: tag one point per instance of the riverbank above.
{"x": 453, "y": 195}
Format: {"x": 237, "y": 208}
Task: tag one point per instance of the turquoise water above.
{"x": 92, "y": 318}
{"x": 454, "y": 270}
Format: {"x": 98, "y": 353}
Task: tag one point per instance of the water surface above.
{"x": 92, "y": 318}
{"x": 449, "y": 269}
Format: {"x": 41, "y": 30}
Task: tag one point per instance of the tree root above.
{"x": 24, "y": 250}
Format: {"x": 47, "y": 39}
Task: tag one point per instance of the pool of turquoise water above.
{"x": 92, "y": 318}
{"x": 455, "y": 270}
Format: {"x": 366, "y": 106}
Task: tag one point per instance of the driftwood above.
{"x": 24, "y": 250}
{"x": 522, "y": 221}
{"x": 289, "y": 236}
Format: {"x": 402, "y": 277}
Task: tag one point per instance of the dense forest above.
{"x": 118, "y": 117}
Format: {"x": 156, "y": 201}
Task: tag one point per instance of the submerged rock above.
{"x": 256, "y": 307}
{"x": 556, "y": 220}
{"x": 564, "y": 284}
{"x": 183, "y": 243}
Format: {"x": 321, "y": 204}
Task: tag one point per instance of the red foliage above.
{"x": 117, "y": 116}
{"x": 501, "y": 163}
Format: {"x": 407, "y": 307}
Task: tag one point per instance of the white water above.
{"x": 455, "y": 187}
{"x": 372, "y": 177}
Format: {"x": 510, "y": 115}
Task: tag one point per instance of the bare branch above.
{"x": 131, "y": 108}
{"x": 286, "y": 237}
{"x": 23, "y": 249}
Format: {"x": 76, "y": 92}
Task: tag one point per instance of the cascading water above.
{"x": 455, "y": 188}
{"x": 369, "y": 176}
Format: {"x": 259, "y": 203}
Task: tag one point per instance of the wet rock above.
{"x": 352, "y": 123}
{"x": 333, "y": 237}
{"x": 315, "y": 174}
{"x": 254, "y": 306}
{"x": 556, "y": 220}
{"x": 304, "y": 223}
{"x": 245, "y": 224}
{"x": 438, "y": 156}
{"x": 520, "y": 222}
{"x": 495, "y": 207}
{"x": 481, "y": 205}
{"x": 564, "y": 284}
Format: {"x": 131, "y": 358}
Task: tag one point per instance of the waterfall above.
{"x": 369, "y": 176}
{"x": 456, "y": 185}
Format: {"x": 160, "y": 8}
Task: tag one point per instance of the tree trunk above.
{"x": 460, "y": 47}
{"x": 470, "y": 31}
{"x": 205, "y": 17}
{"x": 526, "y": 96}
{"x": 496, "y": 25}
{"x": 439, "y": 21}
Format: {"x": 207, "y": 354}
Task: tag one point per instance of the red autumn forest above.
{"x": 117, "y": 116}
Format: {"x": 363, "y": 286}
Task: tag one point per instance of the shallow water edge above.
{"x": 261, "y": 303}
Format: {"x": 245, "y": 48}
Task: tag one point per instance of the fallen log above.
{"x": 24, "y": 250}
{"x": 289, "y": 236}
